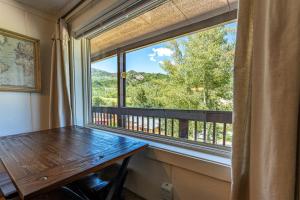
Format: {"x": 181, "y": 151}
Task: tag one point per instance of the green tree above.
{"x": 200, "y": 71}
{"x": 97, "y": 101}
{"x": 140, "y": 97}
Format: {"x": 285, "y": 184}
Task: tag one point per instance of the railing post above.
{"x": 183, "y": 128}
{"x": 119, "y": 121}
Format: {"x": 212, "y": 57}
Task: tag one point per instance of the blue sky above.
{"x": 147, "y": 59}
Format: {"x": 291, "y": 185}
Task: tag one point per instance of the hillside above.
{"x": 105, "y": 86}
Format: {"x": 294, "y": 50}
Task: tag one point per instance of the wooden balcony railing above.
{"x": 211, "y": 127}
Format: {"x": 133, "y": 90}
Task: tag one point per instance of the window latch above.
{"x": 123, "y": 75}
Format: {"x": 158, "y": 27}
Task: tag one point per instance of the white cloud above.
{"x": 152, "y": 54}
{"x": 152, "y": 58}
{"x": 160, "y": 52}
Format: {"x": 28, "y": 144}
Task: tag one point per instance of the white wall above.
{"x": 192, "y": 179}
{"x": 24, "y": 112}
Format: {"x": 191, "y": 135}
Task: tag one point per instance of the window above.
{"x": 177, "y": 85}
{"x": 188, "y": 75}
{"x": 190, "y": 72}
{"x": 104, "y": 82}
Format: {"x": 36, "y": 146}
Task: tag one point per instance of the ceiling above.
{"x": 52, "y": 7}
{"x": 164, "y": 17}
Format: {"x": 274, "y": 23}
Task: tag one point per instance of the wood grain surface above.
{"x": 40, "y": 161}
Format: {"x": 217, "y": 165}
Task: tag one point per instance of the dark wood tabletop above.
{"x": 40, "y": 161}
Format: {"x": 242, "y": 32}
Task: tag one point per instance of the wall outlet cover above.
{"x": 166, "y": 191}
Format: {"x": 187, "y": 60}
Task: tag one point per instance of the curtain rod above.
{"x": 71, "y": 10}
{"x": 116, "y": 16}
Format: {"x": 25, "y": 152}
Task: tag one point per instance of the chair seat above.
{"x": 92, "y": 182}
{"x": 7, "y": 188}
{"x": 97, "y": 185}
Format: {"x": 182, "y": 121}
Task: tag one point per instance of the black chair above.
{"x": 9, "y": 192}
{"x": 93, "y": 187}
{"x": 62, "y": 193}
{"x": 97, "y": 186}
{"x": 7, "y": 188}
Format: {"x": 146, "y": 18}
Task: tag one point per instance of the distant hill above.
{"x": 99, "y": 72}
{"x": 105, "y": 86}
{"x": 131, "y": 75}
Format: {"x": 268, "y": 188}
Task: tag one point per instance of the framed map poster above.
{"x": 19, "y": 62}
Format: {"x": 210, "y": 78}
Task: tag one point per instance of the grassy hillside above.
{"x": 105, "y": 89}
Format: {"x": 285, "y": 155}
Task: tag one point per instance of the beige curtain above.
{"x": 60, "y": 100}
{"x": 266, "y": 101}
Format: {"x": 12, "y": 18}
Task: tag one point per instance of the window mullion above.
{"x": 121, "y": 83}
{"x": 121, "y": 78}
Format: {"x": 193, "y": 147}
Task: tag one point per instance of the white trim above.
{"x": 189, "y": 145}
{"x": 190, "y": 148}
{"x": 89, "y": 83}
{"x": 72, "y": 80}
{"x": 85, "y": 52}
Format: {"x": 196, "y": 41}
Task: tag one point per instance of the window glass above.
{"x": 194, "y": 71}
{"x": 105, "y": 82}
{"x": 190, "y": 72}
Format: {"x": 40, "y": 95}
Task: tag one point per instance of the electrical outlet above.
{"x": 166, "y": 191}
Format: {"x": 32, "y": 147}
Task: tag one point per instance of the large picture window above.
{"x": 177, "y": 85}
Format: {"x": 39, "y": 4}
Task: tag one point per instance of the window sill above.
{"x": 194, "y": 160}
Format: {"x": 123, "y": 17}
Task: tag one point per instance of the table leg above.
{"x": 73, "y": 195}
{"x": 119, "y": 181}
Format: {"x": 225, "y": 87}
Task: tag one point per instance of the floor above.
{"x": 128, "y": 195}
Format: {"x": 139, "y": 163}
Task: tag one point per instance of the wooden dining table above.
{"x": 41, "y": 161}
